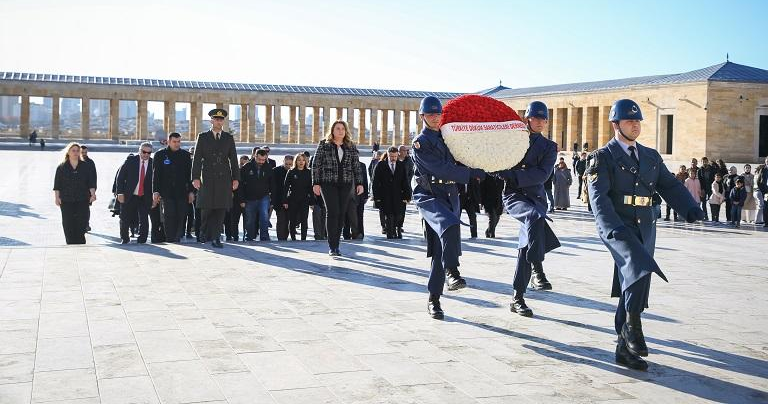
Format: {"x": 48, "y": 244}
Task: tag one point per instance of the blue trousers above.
{"x": 632, "y": 300}
{"x": 253, "y": 209}
{"x": 445, "y": 254}
{"x": 736, "y": 213}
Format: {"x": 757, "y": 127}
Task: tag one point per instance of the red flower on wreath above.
{"x": 477, "y": 108}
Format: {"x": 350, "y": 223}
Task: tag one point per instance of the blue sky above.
{"x": 421, "y": 45}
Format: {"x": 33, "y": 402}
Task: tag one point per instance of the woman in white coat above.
{"x": 717, "y": 198}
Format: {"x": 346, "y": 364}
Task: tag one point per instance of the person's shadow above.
{"x": 695, "y": 384}
{"x": 17, "y": 210}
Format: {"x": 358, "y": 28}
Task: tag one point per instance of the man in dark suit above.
{"x": 391, "y": 190}
{"x": 215, "y": 174}
{"x": 134, "y": 192}
{"x": 172, "y": 187}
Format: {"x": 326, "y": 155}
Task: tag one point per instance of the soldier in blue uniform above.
{"x": 437, "y": 198}
{"x": 525, "y": 200}
{"x": 622, "y": 178}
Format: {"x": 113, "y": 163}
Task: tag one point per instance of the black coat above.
{"x": 256, "y": 182}
{"x": 469, "y": 195}
{"x": 215, "y": 164}
{"x": 278, "y": 177}
{"x": 390, "y": 190}
{"x": 490, "y": 194}
{"x": 128, "y": 178}
{"x": 297, "y": 188}
{"x": 170, "y": 177}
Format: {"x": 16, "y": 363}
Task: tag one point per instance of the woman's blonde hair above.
{"x": 66, "y": 150}
{"x": 347, "y": 135}
{"x": 296, "y": 159}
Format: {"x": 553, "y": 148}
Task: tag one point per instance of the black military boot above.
{"x": 518, "y": 306}
{"x": 454, "y": 280}
{"x": 433, "y": 307}
{"x": 632, "y": 333}
{"x": 626, "y": 358}
{"x": 538, "y": 279}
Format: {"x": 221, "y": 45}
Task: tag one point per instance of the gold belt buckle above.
{"x": 635, "y": 200}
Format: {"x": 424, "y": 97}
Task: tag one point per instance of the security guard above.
{"x": 215, "y": 174}
{"x": 525, "y": 200}
{"x": 622, "y": 178}
{"x": 437, "y": 198}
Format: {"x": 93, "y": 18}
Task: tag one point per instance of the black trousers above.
{"x": 581, "y": 184}
{"x": 232, "y": 222}
{"x": 715, "y": 212}
{"x": 74, "y": 219}
{"x": 297, "y": 214}
{"x": 157, "y": 232}
{"x": 383, "y": 221}
{"x": 135, "y": 206}
{"x": 211, "y": 222}
{"x": 351, "y": 224}
{"x": 493, "y": 221}
{"x": 283, "y": 223}
{"x": 190, "y": 218}
{"x": 391, "y": 221}
{"x": 360, "y": 224}
{"x": 632, "y": 300}
{"x": 336, "y": 197}
{"x": 318, "y": 222}
{"x": 174, "y": 212}
{"x": 728, "y": 205}
{"x": 472, "y": 215}
{"x": 401, "y": 216}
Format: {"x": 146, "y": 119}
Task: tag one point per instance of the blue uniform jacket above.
{"x": 528, "y": 201}
{"x": 438, "y": 204}
{"x": 628, "y": 231}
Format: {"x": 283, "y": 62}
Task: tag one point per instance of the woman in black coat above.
{"x": 490, "y": 195}
{"x": 74, "y": 187}
{"x": 297, "y": 195}
{"x": 336, "y": 177}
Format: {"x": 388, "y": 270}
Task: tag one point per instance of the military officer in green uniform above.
{"x": 215, "y": 174}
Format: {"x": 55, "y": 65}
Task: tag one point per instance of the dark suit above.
{"x": 389, "y": 191}
{"x": 133, "y": 205}
{"x": 215, "y": 164}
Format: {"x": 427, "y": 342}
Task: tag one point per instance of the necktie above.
{"x": 392, "y": 167}
{"x": 217, "y": 135}
{"x": 141, "y": 179}
{"x": 633, "y": 155}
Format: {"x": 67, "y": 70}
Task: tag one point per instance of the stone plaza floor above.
{"x": 281, "y": 322}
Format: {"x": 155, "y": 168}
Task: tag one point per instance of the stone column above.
{"x": 56, "y": 118}
{"x": 141, "y": 120}
{"x": 604, "y": 127}
{"x": 169, "y": 119}
{"x": 24, "y": 118}
{"x": 278, "y": 125}
{"x": 385, "y": 127}
{"x": 85, "y": 118}
{"x": 361, "y": 126}
{"x": 195, "y": 126}
{"x": 114, "y": 119}
{"x": 326, "y": 120}
{"x": 268, "y": 126}
{"x": 406, "y": 127}
{"x": 588, "y": 129}
{"x": 244, "y": 123}
{"x": 419, "y": 124}
{"x": 292, "y": 127}
{"x": 251, "y": 130}
{"x": 374, "y": 126}
{"x": 302, "y": 135}
{"x": 316, "y": 125}
{"x": 224, "y": 106}
{"x": 397, "y": 135}
{"x": 573, "y": 127}
{"x": 351, "y": 121}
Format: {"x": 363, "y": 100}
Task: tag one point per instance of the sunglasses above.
{"x": 146, "y": 152}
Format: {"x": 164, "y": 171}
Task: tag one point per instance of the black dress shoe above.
{"x": 518, "y": 306}
{"x": 487, "y": 234}
{"x": 626, "y": 358}
{"x": 454, "y": 280}
{"x": 538, "y": 279}
{"x": 399, "y": 233}
{"x": 217, "y": 243}
{"x": 632, "y": 333}
{"x": 433, "y": 307}
{"x": 334, "y": 253}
